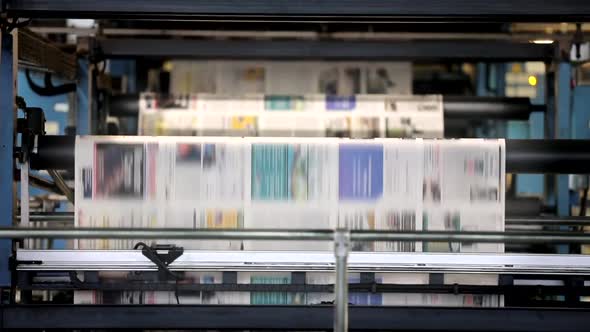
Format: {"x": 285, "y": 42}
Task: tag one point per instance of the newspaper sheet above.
{"x": 356, "y": 116}
{"x": 231, "y": 182}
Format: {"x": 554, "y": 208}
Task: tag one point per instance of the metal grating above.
{"x": 35, "y": 51}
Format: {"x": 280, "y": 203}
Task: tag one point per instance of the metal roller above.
{"x": 548, "y": 156}
{"x": 455, "y": 107}
{"x": 488, "y": 108}
{"x": 522, "y": 156}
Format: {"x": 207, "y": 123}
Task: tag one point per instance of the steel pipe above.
{"x": 62, "y": 185}
{"x": 68, "y": 217}
{"x": 522, "y": 156}
{"x": 455, "y": 107}
{"x": 294, "y": 234}
{"x": 548, "y": 221}
{"x": 61, "y": 217}
{"x": 565, "y": 156}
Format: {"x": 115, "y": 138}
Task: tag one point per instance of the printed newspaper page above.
{"x": 312, "y": 115}
{"x": 225, "y": 182}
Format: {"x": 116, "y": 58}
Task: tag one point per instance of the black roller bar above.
{"x": 488, "y": 108}
{"x": 522, "y": 156}
{"x": 281, "y": 317}
{"x": 54, "y": 152}
{"x": 548, "y": 156}
{"x": 319, "y": 10}
{"x": 525, "y": 206}
{"x": 325, "y": 49}
{"x": 455, "y": 107}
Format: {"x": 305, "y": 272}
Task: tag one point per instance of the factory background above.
{"x": 127, "y": 131}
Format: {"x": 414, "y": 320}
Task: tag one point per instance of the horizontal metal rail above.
{"x": 292, "y": 234}
{"x": 305, "y": 261}
{"x": 68, "y": 217}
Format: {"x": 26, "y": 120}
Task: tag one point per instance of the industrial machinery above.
{"x": 541, "y": 283}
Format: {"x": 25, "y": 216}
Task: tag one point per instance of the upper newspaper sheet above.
{"x": 317, "y": 115}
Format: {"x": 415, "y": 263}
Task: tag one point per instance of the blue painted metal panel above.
{"x": 6, "y": 151}
{"x": 581, "y": 112}
{"x": 124, "y": 68}
{"x": 482, "y": 80}
{"x": 82, "y": 99}
{"x": 55, "y": 120}
{"x": 531, "y": 184}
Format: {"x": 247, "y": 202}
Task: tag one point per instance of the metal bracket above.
{"x": 31, "y": 126}
{"x": 162, "y": 255}
{"x": 13, "y": 263}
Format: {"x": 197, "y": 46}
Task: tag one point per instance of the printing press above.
{"x": 255, "y": 166}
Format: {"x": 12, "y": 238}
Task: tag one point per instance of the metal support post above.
{"x": 562, "y": 127}
{"x": 341, "y": 246}
{"x": 7, "y": 126}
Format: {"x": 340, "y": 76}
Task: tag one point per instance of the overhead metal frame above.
{"x": 320, "y": 317}
{"x": 324, "y": 10}
{"x": 322, "y": 49}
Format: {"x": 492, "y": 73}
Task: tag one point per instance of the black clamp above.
{"x": 31, "y": 126}
{"x": 162, "y": 255}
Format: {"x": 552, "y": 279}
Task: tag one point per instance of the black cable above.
{"x": 138, "y": 245}
{"x": 49, "y": 89}
{"x": 176, "y": 292}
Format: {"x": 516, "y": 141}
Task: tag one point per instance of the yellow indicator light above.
{"x": 532, "y": 80}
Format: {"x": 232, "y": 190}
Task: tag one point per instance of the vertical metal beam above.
{"x": 341, "y": 246}
{"x": 549, "y": 126}
{"x": 580, "y": 112}
{"x": 500, "y": 69}
{"x": 8, "y": 58}
{"x": 563, "y": 131}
